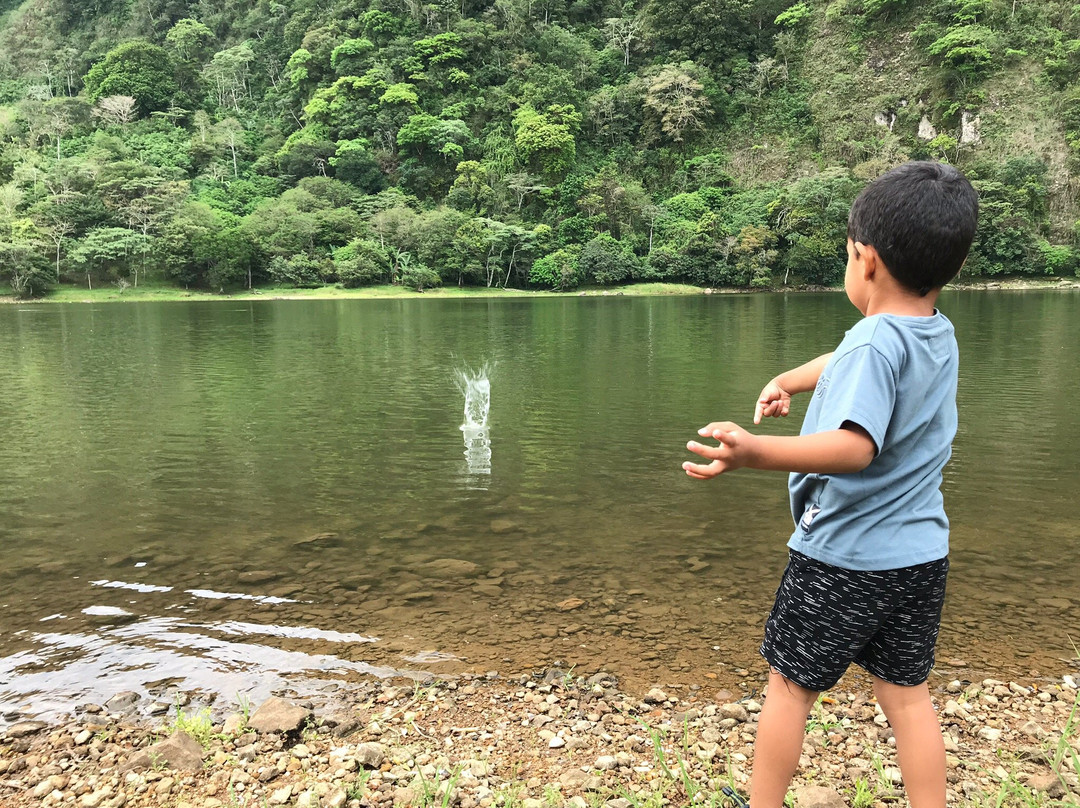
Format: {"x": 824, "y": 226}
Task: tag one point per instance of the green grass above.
{"x": 157, "y": 292}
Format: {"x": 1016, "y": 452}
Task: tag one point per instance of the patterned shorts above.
{"x": 826, "y": 617}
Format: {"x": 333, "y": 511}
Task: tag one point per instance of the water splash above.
{"x": 476, "y": 387}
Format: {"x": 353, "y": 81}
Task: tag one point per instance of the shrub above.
{"x": 608, "y": 261}
{"x": 299, "y": 270}
{"x": 561, "y": 270}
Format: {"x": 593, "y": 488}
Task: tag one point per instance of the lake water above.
{"x": 236, "y": 498}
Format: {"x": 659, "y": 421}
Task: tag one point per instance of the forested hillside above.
{"x": 539, "y": 143}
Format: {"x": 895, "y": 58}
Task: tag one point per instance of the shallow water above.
{"x": 235, "y": 497}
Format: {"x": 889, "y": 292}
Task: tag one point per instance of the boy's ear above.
{"x": 868, "y": 259}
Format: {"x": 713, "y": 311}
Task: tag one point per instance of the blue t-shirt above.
{"x": 895, "y": 377}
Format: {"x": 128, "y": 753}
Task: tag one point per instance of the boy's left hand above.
{"x": 735, "y": 450}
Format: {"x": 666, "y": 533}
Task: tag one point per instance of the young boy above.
{"x": 865, "y": 579}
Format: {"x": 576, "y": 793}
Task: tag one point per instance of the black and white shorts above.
{"x": 826, "y": 617}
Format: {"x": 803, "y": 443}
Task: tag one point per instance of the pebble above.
{"x": 390, "y": 744}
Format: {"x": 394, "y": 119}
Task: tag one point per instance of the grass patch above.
{"x": 152, "y": 292}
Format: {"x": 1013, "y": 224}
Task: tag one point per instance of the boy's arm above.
{"x": 775, "y": 398}
{"x": 839, "y": 451}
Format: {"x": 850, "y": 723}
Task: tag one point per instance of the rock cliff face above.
{"x": 969, "y": 129}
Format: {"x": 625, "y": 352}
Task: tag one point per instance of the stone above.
{"x": 990, "y": 734}
{"x": 277, "y": 715}
{"x": 179, "y": 751}
{"x": 556, "y": 743}
{"x": 122, "y": 701}
{"x": 448, "y": 568}
{"x": 1032, "y": 730}
{"x": 370, "y": 755}
{"x": 281, "y": 796}
{"x": 570, "y": 604}
{"x": 655, "y": 696}
{"x": 258, "y": 576}
{"x": 317, "y": 540}
{"x": 818, "y": 797}
{"x": 605, "y": 763}
{"x": 24, "y": 728}
{"x": 969, "y": 129}
{"x": 886, "y": 119}
{"x": 927, "y": 131}
{"x": 234, "y": 723}
{"x": 736, "y": 711}
{"x": 1048, "y": 784}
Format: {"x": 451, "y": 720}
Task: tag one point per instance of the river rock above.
{"x": 24, "y": 728}
{"x": 818, "y": 797}
{"x": 179, "y": 751}
{"x": 370, "y": 755}
{"x": 570, "y": 604}
{"x": 317, "y": 540}
{"x": 258, "y": 576}
{"x": 1048, "y": 784}
{"x": 736, "y": 711}
{"x": 122, "y": 701}
{"x": 448, "y": 568}
{"x": 278, "y": 715}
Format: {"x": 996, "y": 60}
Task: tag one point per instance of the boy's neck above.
{"x": 904, "y": 305}
{"x": 891, "y": 298}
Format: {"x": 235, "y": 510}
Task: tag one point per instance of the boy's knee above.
{"x": 792, "y": 690}
{"x": 900, "y": 696}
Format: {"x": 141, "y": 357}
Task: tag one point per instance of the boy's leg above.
{"x": 779, "y": 740}
{"x": 919, "y": 744}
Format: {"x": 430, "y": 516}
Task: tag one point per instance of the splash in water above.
{"x": 476, "y": 387}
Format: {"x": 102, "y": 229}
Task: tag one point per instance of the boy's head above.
{"x": 920, "y": 217}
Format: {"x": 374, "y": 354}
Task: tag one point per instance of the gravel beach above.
{"x": 550, "y": 738}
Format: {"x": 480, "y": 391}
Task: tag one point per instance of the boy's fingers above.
{"x": 700, "y": 471}
{"x": 728, "y": 438}
{"x": 701, "y": 449}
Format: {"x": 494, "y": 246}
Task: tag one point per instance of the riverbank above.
{"x": 541, "y": 740}
{"x": 107, "y": 294}
{"x": 111, "y": 294}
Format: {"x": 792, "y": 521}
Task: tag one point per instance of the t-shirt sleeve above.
{"x": 862, "y": 389}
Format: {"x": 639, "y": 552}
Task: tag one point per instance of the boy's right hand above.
{"x": 773, "y": 402}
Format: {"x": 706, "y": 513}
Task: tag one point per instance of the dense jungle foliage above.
{"x": 540, "y": 143}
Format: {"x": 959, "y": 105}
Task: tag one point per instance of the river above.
{"x": 235, "y": 498}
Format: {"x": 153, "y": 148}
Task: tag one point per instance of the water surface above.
{"x": 234, "y": 496}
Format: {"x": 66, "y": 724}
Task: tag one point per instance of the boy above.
{"x": 865, "y": 579}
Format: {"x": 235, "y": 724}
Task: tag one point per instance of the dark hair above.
{"x": 920, "y": 217}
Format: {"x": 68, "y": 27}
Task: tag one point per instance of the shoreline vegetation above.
{"x": 154, "y": 293}
{"x": 547, "y": 739}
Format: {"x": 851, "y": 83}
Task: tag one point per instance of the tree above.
{"x": 227, "y": 74}
{"x": 623, "y": 32}
{"x": 676, "y": 101}
{"x": 608, "y": 261}
{"x": 471, "y": 192}
{"x": 109, "y": 249}
{"x": 230, "y": 134}
{"x": 350, "y": 55}
{"x": 361, "y": 262}
{"x": 559, "y": 271}
{"x": 190, "y": 39}
{"x": 116, "y": 110}
{"x": 137, "y": 69}
{"x": 545, "y": 141}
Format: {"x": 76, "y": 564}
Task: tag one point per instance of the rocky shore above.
{"x": 538, "y": 740}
